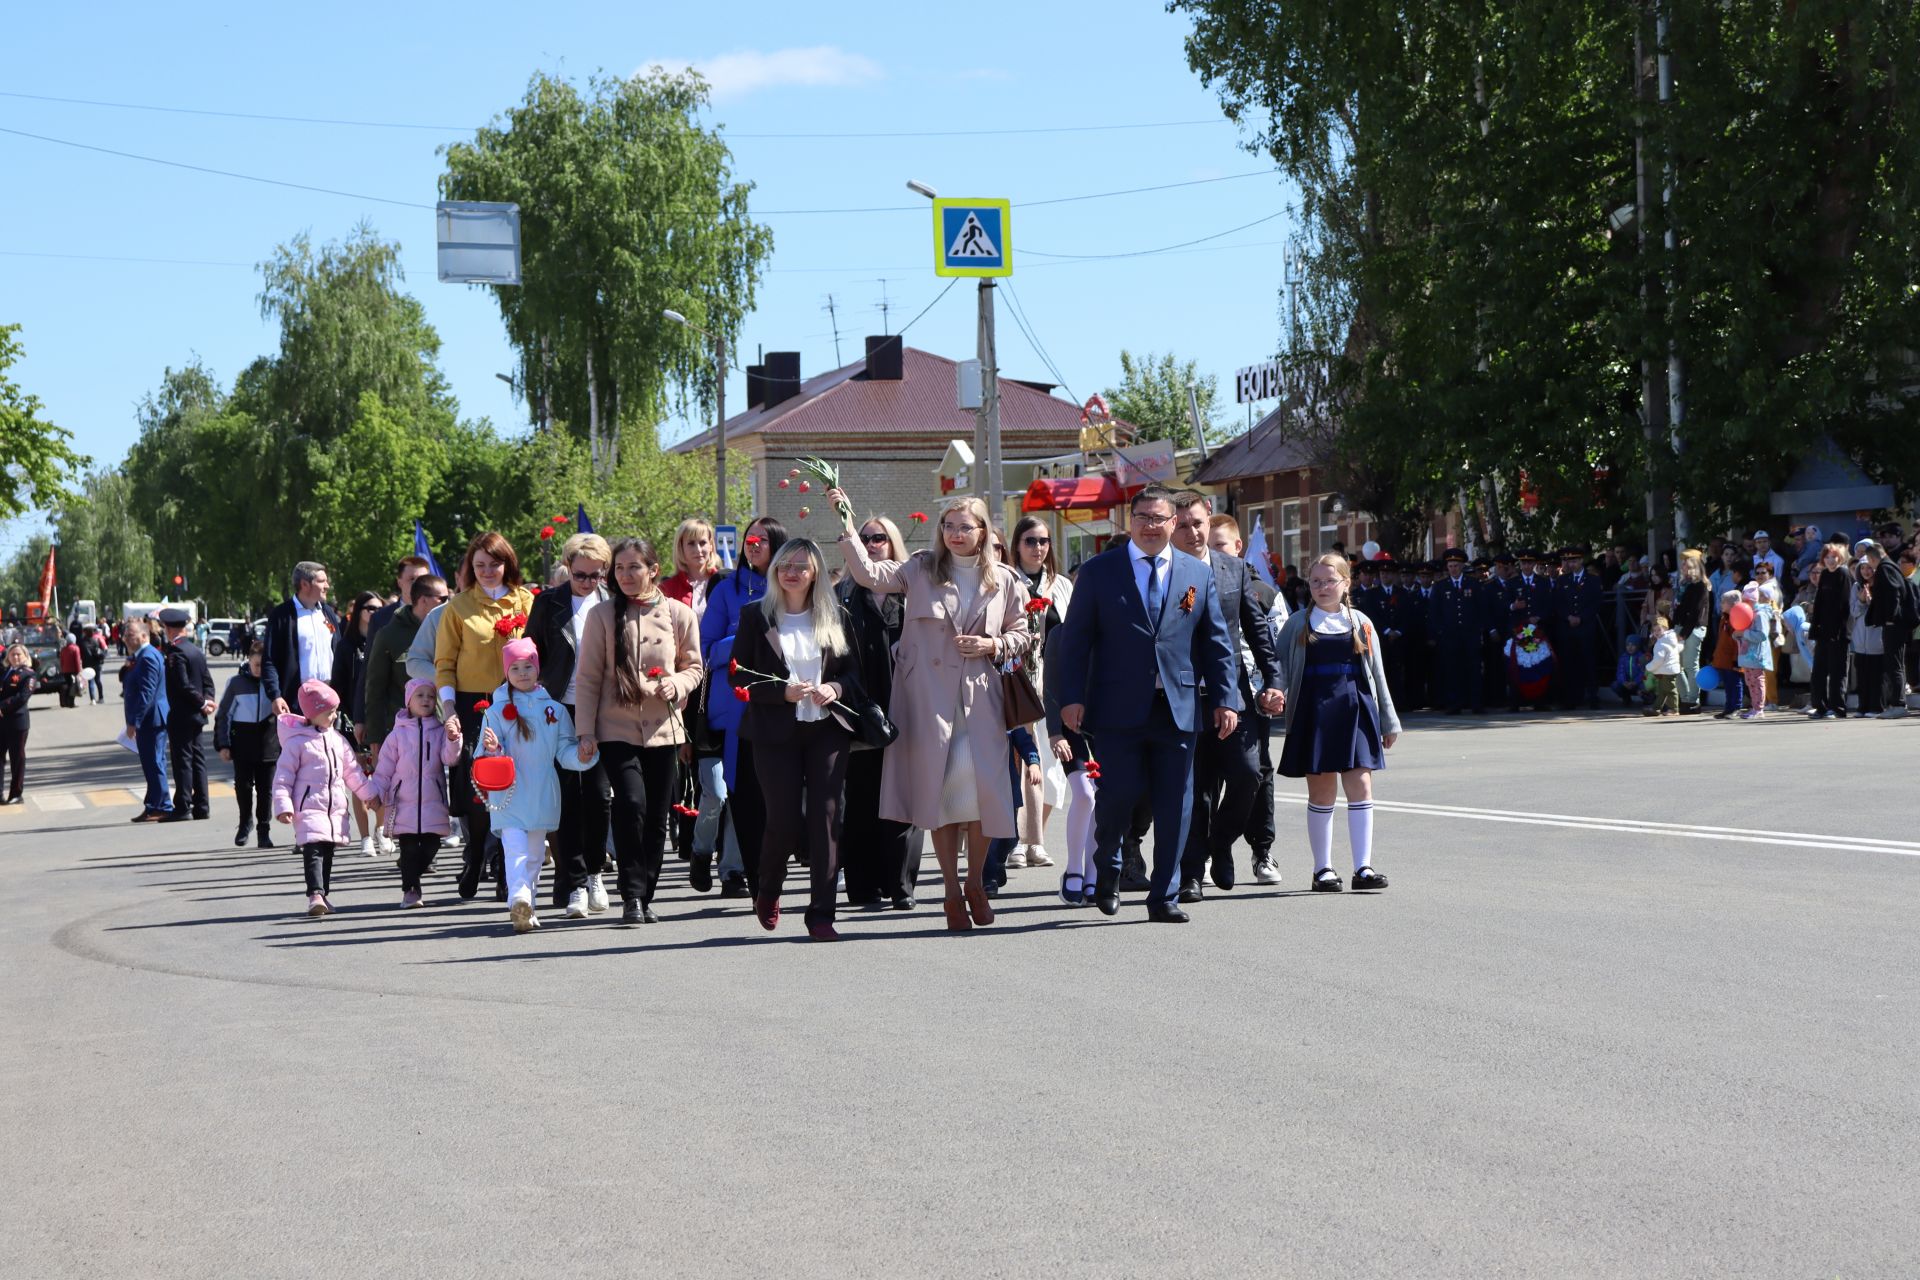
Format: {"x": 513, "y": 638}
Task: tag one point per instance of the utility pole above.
{"x": 1642, "y": 206}
{"x": 1676, "y": 369}
{"x": 986, "y": 433}
{"x": 833, "y": 318}
{"x": 720, "y": 430}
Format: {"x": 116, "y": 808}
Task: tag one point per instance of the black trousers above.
{"x": 1226, "y": 778}
{"x": 881, "y": 858}
{"x": 253, "y": 790}
{"x": 1579, "y": 683}
{"x": 415, "y": 853}
{"x": 187, "y": 755}
{"x": 1457, "y": 674}
{"x": 317, "y": 859}
{"x": 1870, "y": 681}
{"x": 460, "y": 795}
{"x": 1829, "y": 691}
{"x": 1895, "y": 669}
{"x": 1260, "y": 830}
{"x": 642, "y": 779}
{"x": 809, "y": 773}
{"x": 580, "y": 841}
{"x": 13, "y": 744}
{"x": 747, "y": 811}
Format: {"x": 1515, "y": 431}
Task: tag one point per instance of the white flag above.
{"x": 1257, "y": 554}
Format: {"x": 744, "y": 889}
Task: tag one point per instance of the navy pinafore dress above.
{"x": 1336, "y": 723}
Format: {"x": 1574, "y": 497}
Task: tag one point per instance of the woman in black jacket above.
{"x": 245, "y": 735}
{"x": 795, "y": 660}
{"x": 555, "y": 625}
{"x": 16, "y": 691}
{"x": 882, "y": 858}
{"x": 1829, "y": 623}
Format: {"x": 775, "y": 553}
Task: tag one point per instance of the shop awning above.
{"x": 1086, "y": 493}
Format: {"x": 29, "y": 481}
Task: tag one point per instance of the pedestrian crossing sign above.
{"x": 972, "y": 237}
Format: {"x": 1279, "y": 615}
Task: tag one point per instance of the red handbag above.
{"x": 493, "y": 777}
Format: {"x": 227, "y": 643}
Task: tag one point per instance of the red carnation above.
{"x": 1038, "y": 604}
{"x": 740, "y": 694}
{"x": 561, "y": 519}
{"x": 509, "y": 714}
{"x": 654, "y": 673}
{"x": 483, "y": 704}
{"x": 733, "y": 667}
{"x": 918, "y": 517}
{"x": 546, "y": 531}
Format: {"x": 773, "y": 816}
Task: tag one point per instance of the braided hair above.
{"x": 1338, "y": 563}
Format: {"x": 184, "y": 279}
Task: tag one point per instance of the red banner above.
{"x": 46, "y": 579}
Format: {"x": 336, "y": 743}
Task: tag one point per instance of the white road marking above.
{"x": 1636, "y": 826}
{"x": 57, "y": 801}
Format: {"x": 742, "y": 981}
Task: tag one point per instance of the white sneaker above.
{"x": 370, "y": 847}
{"x": 451, "y": 841}
{"x": 596, "y": 895}
{"x": 523, "y": 917}
{"x": 1018, "y": 858}
{"x": 577, "y": 905}
{"x": 1264, "y": 872}
{"x": 389, "y": 846}
{"x": 1037, "y": 857}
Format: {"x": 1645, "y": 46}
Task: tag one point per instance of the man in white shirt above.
{"x": 300, "y": 635}
{"x": 1763, "y": 550}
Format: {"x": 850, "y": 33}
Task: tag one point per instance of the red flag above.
{"x": 47, "y": 579}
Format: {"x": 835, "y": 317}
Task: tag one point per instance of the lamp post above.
{"x": 986, "y": 428}
{"x": 720, "y": 414}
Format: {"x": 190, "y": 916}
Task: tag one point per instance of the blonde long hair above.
{"x": 943, "y": 558}
{"x": 823, "y": 607}
{"x": 1338, "y": 563}
{"x": 691, "y": 525}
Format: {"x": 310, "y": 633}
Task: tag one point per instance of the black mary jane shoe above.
{"x": 1327, "y": 881}
{"x": 1368, "y": 878}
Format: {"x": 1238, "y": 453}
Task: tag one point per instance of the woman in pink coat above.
{"x": 411, "y": 779}
{"x": 311, "y": 783}
{"x": 965, "y": 615}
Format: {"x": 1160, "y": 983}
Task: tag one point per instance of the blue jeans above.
{"x": 707, "y": 828}
{"x": 152, "y": 741}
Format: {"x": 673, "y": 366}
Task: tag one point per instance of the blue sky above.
{"x": 99, "y": 333}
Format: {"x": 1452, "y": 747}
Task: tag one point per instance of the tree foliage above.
{"x": 1476, "y": 322}
{"x": 1152, "y": 395}
{"x": 35, "y": 458}
{"x": 627, "y": 208}
{"x": 106, "y": 549}
{"x": 20, "y": 576}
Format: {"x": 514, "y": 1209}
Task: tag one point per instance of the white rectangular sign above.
{"x": 479, "y": 242}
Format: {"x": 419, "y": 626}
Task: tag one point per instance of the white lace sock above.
{"x": 1320, "y": 836}
{"x": 1360, "y": 832}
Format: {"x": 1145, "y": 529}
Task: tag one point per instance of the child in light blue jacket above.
{"x": 524, "y": 722}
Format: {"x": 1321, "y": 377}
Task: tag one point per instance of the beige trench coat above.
{"x": 932, "y": 683}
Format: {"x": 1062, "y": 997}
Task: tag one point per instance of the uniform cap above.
{"x": 173, "y": 617}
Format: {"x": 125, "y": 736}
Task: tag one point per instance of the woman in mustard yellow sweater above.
{"x": 475, "y": 626}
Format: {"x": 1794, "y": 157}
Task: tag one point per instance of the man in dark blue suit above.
{"x": 1145, "y": 631}
{"x": 146, "y": 708}
{"x": 1578, "y": 598}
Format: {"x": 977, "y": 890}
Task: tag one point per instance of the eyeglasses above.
{"x": 876, "y": 537}
{"x": 588, "y": 577}
{"x": 1152, "y": 522}
{"x": 791, "y": 570}
{"x": 434, "y": 596}
{"x": 961, "y": 529}
{"x": 1036, "y": 542}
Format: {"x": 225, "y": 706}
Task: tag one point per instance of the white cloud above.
{"x": 734, "y": 75}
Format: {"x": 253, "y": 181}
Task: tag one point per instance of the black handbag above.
{"x": 867, "y": 721}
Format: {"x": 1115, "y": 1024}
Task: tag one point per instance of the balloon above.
{"x": 1741, "y": 615}
{"x": 1369, "y": 550}
{"x": 1709, "y": 679}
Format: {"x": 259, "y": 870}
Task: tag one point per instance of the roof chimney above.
{"x": 756, "y": 385}
{"x": 782, "y": 377}
{"x": 886, "y": 358}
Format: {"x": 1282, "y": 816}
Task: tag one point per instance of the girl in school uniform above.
{"x": 523, "y": 721}
{"x": 1340, "y": 720}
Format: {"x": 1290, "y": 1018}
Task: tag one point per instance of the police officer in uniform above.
{"x": 1578, "y": 598}
{"x": 189, "y": 703}
{"x": 1456, "y": 619}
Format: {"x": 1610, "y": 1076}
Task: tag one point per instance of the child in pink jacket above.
{"x": 411, "y": 778}
{"x": 310, "y": 784}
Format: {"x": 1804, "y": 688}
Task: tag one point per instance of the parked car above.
{"x": 220, "y": 632}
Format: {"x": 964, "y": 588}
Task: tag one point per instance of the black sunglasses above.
{"x": 876, "y": 537}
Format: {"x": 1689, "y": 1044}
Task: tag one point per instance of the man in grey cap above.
{"x": 1763, "y": 550}
{"x": 189, "y": 703}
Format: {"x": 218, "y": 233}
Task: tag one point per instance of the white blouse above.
{"x": 802, "y": 652}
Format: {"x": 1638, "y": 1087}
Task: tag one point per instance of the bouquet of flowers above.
{"x": 1530, "y": 662}
{"x": 735, "y": 671}
{"x": 829, "y": 476}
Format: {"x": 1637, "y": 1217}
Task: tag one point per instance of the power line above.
{"x": 1141, "y": 253}
{"x": 453, "y": 128}
{"x": 223, "y": 173}
{"x": 936, "y": 298}
{"x": 1027, "y": 204}
{"x": 1027, "y": 327}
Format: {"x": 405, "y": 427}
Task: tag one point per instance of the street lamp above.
{"x": 720, "y": 413}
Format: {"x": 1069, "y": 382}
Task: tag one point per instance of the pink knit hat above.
{"x": 317, "y": 696}
{"x": 521, "y": 650}
{"x": 412, "y": 687}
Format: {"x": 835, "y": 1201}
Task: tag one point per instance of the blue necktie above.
{"x": 1156, "y": 594}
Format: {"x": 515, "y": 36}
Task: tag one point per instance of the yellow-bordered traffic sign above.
{"x": 972, "y": 237}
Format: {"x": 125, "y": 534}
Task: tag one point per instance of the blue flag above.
{"x": 580, "y": 522}
{"x": 421, "y": 549}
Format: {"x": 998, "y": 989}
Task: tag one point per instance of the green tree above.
{"x": 35, "y": 458}
{"x": 20, "y": 578}
{"x": 1152, "y": 395}
{"x": 106, "y": 550}
{"x": 627, "y": 208}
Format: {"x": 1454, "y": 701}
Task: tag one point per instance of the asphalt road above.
{"x": 1568, "y": 1041}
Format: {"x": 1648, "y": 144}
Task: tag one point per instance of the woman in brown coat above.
{"x": 639, "y": 666}
{"x": 947, "y": 773}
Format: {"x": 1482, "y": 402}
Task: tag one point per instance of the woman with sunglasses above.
{"x": 1033, "y": 555}
{"x": 556, "y": 624}
{"x": 881, "y": 857}
{"x": 965, "y": 615}
{"x": 796, "y": 661}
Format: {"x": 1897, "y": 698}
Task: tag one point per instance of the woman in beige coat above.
{"x": 947, "y": 773}
{"x": 639, "y": 666}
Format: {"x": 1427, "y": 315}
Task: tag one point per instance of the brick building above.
{"x": 1266, "y": 474}
{"x": 886, "y": 421}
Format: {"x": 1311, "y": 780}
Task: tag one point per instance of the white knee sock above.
{"x": 1080, "y": 824}
{"x": 1320, "y": 836}
{"x": 1360, "y": 832}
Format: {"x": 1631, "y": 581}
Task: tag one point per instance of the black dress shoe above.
{"x": 1162, "y": 913}
{"x": 240, "y": 836}
{"x": 1132, "y": 881}
{"x": 1107, "y": 898}
{"x": 175, "y": 816}
{"x": 262, "y": 839}
{"x": 734, "y": 886}
{"x": 647, "y": 916}
{"x": 904, "y": 902}
{"x": 630, "y": 912}
{"x": 1190, "y": 891}
{"x": 700, "y": 872}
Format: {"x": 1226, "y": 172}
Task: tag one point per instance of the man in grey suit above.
{"x": 1226, "y": 771}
